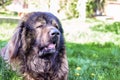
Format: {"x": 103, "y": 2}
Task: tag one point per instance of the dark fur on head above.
{"x": 37, "y": 48}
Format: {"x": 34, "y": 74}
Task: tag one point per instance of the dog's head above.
{"x": 37, "y": 31}
{"x": 47, "y": 39}
{"x": 37, "y": 49}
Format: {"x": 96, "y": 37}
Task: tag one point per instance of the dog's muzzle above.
{"x": 51, "y": 48}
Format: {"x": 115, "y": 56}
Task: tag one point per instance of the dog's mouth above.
{"x": 48, "y": 50}
{"x": 50, "y": 47}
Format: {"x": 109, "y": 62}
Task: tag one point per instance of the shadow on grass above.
{"x": 93, "y": 61}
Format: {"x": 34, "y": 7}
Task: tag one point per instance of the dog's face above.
{"x": 40, "y": 32}
{"x": 47, "y": 39}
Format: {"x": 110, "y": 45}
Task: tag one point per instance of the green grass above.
{"x": 114, "y": 27}
{"x": 7, "y": 13}
{"x": 96, "y": 61}
{"x": 93, "y": 53}
{"x": 7, "y": 74}
{"x": 6, "y": 31}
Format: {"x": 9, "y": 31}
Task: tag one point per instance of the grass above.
{"x": 114, "y": 27}
{"x": 6, "y": 31}
{"x": 93, "y": 52}
{"x": 7, "y": 74}
{"x": 96, "y": 61}
{"x": 7, "y": 13}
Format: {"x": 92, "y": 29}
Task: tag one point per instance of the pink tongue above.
{"x": 51, "y": 46}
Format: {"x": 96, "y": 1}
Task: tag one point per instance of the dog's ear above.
{"x": 11, "y": 49}
{"x": 15, "y": 42}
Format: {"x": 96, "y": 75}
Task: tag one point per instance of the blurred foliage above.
{"x": 93, "y": 6}
{"x": 3, "y": 3}
{"x": 114, "y": 27}
{"x": 90, "y": 8}
{"x": 6, "y": 2}
{"x": 68, "y": 7}
{"x": 8, "y": 13}
{"x": 71, "y": 9}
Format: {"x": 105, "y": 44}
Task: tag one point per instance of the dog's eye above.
{"x": 39, "y": 26}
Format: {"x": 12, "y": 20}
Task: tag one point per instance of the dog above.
{"x": 37, "y": 48}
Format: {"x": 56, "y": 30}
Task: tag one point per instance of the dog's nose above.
{"x": 54, "y": 32}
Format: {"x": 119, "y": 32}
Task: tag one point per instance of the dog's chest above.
{"x": 39, "y": 65}
{"x": 41, "y": 68}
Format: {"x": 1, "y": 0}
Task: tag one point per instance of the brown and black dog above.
{"x": 37, "y": 48}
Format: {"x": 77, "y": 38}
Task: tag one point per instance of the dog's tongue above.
{"x": 51, "y": 46}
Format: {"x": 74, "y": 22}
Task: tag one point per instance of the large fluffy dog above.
{"x": 37, "y": 48}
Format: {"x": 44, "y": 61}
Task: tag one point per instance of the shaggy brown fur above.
{"x": 37, "y": 48}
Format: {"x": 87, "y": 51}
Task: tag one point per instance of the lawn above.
{"x": 93, "y": 50}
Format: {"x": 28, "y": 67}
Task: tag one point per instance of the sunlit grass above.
{"x": 93, "y": 54}
{"x": 6, "y": 30}
{"x": 79, "y": 32}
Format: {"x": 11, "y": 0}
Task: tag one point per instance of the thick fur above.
{"x": 28, "y": 50}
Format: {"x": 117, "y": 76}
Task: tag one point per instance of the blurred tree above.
{"x": 71, "y": 9}
{"x": 3, "y": 3}
{"x": 99, "y": 9}
{"x": 95, "y": 7}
